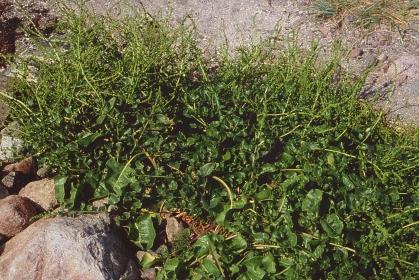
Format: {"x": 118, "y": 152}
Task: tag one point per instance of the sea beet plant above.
{"x": 269, "y": 144}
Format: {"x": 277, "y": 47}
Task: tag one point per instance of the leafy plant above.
{"x": 270, "y": 144}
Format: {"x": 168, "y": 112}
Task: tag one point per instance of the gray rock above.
{"x": 14, "y": 181}
{"x": 382, "y": 57}
{"x": 100, "y": 203}
{"x": 16, "y": 213}
{"x": 356, "y": 52}
{"x": 149, "y": 274}
{"x": 11, "y": 145}
{"x": 10, "y": 148}
{"x": 404, "y": 102}
{"x": 43, "y": 172}
{"x": 66, "y": 248}
{"x": 173, "y": 227}
{"x": 41, "y": 192}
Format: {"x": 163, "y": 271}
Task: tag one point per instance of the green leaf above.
{"x": 147, "y": 261}
{"x": 201, "y": 246}
{"x": 211, "y": 268}
{"x": 255, "y": 269}
{"x": 206, "y": 169}
{"x": 59, "y": 186}
{"x": 332, "y": 225}
{"x": 311, "y": 202}
{"x": 269, "y": 262}
{"x": 120, "y": 177}
{"x": 172, "y": 264}
{"x": 87, "y": 138}
{"x": 146, "y": 232}
{"x": 238, "y": 244}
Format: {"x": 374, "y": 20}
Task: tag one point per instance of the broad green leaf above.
{"x": 264, "y": 194}
{"x": 172, "y": 264}
{"x": 255, "y": 269}
{"x": 147, "y": 261}
{"x": 211, "y": 268}
{"x": 269, "y": 262}
{"x": 206, "y": 169}
{"x": 332, "y": 225}
{"x": 238, "y": 244}
{"x": 201, "y": 246}
{"x": 75, "y": 192}
{"x": 311, "y": 202}
{"x": 121, "y": 176}
{"x": 87, "y": 138}
{"x": 146, "y": 232}
{"x": 59, "y": 186}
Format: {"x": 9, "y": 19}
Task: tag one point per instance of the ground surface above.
{"x": 241, "y": 22}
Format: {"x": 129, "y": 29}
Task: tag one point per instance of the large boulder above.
{"x": 86, "y": 247}
{"x": 15, "y": 214}
{"x": 41, "y": 192}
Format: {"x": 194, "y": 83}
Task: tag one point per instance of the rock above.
{"x": 100, "y": 203}
{"x": 66, "y": 248}
{"x": 41, "y": 192}
{"x": 8, "y": 180}
{"x": 43, "y": 172}
{"x": 173, "y": 227}
{"x": 371, "y": 60}
{"x": 16, "y": 213}
{"x": 3, "y": 192}
{"x": 404, "y": 101}
{"x": 356, "y": 52}
{"x": 14, "y": 181}
{"x": 26, "y": 166}
{"x": 382, "y": 58}
{"x": 149, "y": 274}
{"x": 10, "y": 147}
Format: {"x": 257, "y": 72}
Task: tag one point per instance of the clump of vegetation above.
{"x": 368, "y": 12}
{"x": 269, "y": 144}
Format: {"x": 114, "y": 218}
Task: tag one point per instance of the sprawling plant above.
{"x": 270, "y": 144}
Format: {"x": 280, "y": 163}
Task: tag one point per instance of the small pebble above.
{"x": 357, "y": 52}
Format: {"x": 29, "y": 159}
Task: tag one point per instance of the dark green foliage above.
{"x": 271, "y": 145}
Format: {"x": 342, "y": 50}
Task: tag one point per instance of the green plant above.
{"x": 270, "y": 144}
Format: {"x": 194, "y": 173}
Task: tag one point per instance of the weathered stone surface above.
{"x": 404, "y": 102}
{"x": 149, "y": 274}
{"x": 26, "y": 166}
{"x": 16, "y": 213}
{"x": 173, "y": 227}
{"x": 41, "y": 192}
{"x": 66, "y": 248}
{"x": 43, "y": 172}
{"x": 100, "y": 203}
{"x": 3, "y": 192}
{"x": 14, "y": 181}
{"x": 10, "y": 144}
